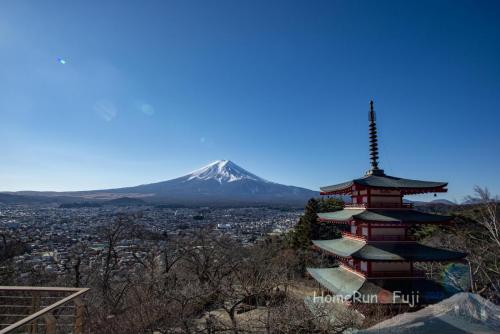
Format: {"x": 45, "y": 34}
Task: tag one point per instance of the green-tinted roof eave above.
{"x": 384, "y": 215}
{"x": 337, "y": 280}
{"x": 386, "y": 251}
{"x": 342, "y": 246}
{"x": 385, "y": 181}
{"x": 405, "y": 252}
{"x": 401, "y": 216}
{"x": 341, "y": 215}
{"x": 336, "y": 187}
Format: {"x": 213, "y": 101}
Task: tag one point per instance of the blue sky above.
{"x": 154, "y": 89}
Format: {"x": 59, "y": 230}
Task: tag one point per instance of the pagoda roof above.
{"x": 346, "y": 283}
{"x": 405, "y": 251}
{"x": 386, "y": 251}
{"x": 383, "y": 215}
{"x": 344, "y": 247}
{"x": 338, "y": 280}
{"x": 382, "y": 181}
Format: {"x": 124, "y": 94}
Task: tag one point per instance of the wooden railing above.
{"x": 354, "y": 206}
{"x": 379, "y": 205}
{"x": 384, "y": 274}
{"x": 353, "y": 236}
{"x": 356, "y": 268}
{"x": 37, "y": 310}
{"x": 378, "y": 237}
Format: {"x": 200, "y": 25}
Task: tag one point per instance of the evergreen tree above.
{"x": 326, "y": 230}
{"x": 330, "y": 204}
{"x": 309, "y": 228}
{"x": 301, "y": 237}
{"x": 311, "y": 214}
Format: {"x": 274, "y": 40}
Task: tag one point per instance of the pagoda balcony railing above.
{"x": 385, "y": 274}
{"x": 354, "y": 206}
{"x": 379, "y": 205}
{"x": 353, "y": 236}
{"x": 396, "y": 274}
{"x": 354, "y": 268}
{"x": 401, "y": 238}
{"x": 37, "y": 310}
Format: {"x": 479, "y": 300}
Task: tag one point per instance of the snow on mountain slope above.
{"x": 221, "y": 182}
{"x": 223, "y": 171}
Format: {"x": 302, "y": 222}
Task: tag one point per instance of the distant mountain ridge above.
{"x": 220, "y": 182}
{"x": 433, "y": 202}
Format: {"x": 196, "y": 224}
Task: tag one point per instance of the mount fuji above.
{"x": 220, "y": 183}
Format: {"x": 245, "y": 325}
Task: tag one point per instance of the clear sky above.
{"x": 151, "y": 90}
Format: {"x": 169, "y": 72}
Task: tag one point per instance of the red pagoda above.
{"x": 376, "y": 253}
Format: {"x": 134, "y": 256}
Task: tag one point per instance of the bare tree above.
{"x": 258, "y": 276}
{"x": 293, "y": 315}
{"x": 488, "y": 213}
{"x": 476, "y": 232}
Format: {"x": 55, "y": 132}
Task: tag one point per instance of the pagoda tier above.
{"x": 384, "y": 260}
{"x": 380, "y": 224}
{"x": 385, "y": 182}
{"x": 386, "y": 216}
{"x": 351, "y": 248}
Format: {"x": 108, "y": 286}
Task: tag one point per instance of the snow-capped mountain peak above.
{"x": 220, "y": 183}
{"x": 223, "y": 171}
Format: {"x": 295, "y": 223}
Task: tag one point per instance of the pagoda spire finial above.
{"x": 374, "y": 170}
